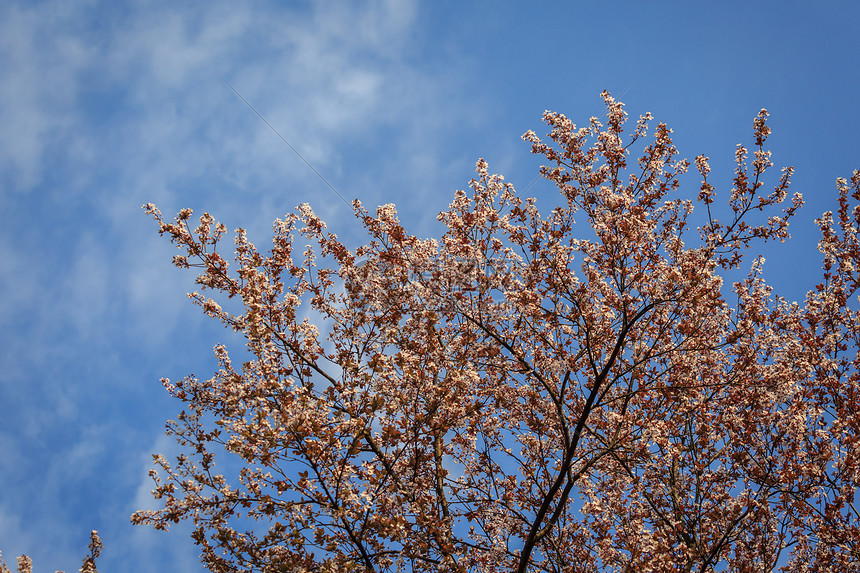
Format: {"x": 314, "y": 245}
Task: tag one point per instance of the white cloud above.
{"x": 107, "y": 106}
{"x": 41, "y": 57}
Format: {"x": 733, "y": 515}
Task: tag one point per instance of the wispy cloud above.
{"x": 106, "y": 106}
{"x": 41, "y": 55}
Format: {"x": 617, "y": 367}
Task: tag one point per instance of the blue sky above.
{"x": 105, "y": 106}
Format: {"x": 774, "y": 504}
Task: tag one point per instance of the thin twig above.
{"x": 529, "y": 186}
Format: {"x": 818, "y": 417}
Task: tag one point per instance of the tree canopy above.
{"x": 554, "y": 391}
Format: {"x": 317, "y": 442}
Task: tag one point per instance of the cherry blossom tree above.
{"x": 560, "y": 391}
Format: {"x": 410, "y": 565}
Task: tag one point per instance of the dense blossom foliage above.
{"x": 561, "y": 391}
